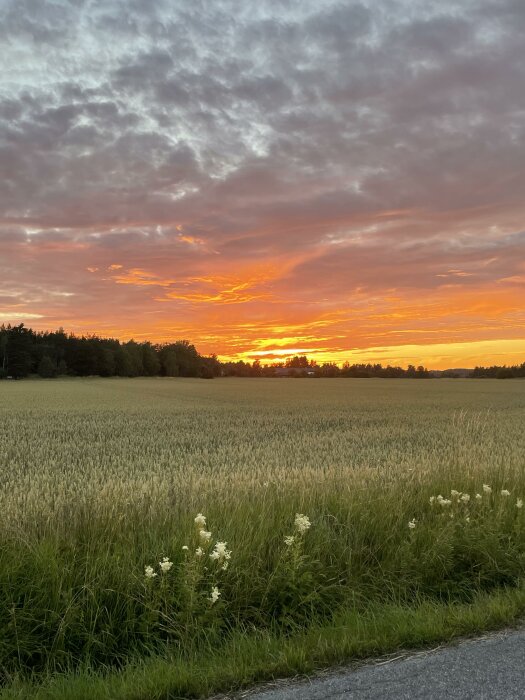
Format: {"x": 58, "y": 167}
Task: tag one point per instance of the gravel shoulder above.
{"x": 490, "y": 668}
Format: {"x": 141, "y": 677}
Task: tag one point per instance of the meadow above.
{"x": 177, "y": 537}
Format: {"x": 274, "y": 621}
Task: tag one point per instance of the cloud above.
{"x": 321, "y": 154}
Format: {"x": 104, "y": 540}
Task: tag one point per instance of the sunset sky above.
{"x": 343, "y": 180}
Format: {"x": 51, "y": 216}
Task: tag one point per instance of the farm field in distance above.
{"x": 347, "y": 518}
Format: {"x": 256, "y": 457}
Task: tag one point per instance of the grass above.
{"x": 245, "y": 659}
{"x": 101, "y": 478}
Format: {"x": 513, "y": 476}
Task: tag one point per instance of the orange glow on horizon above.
{"x": 339, "y": 299}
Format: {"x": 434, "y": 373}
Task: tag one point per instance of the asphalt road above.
{"x": 492, "y": 668}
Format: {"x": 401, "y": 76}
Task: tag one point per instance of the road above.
{"x": 492, "y": 668}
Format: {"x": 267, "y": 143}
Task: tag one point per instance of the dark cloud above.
{"x": 139, "y": 72}
{"x": 376, "y": 90}
{"x": 39, "y": 22}
{"x": 436, "y": 37}
{"x": 339, "y": 26}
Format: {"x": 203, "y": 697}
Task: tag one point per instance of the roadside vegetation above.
{"x": 166, "y": 538}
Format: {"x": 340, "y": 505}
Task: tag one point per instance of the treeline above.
{"x": 51, "y": 354}
{"x": 496, "y": 372}
{"x": 300, "y": 366}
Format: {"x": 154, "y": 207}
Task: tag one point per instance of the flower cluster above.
{"x": 459, "y": 504}
{"x": 164, "y": 565}
{"x": 440, "y": 500}
{"x": 221, "y": 554}
{"x": 465, "y": 498}
{"x": 214, "y": 596}
{"x": 302, "y": 524}
{"x": 200, "y": 521}
{"x": 149, "y": 572}
{"x": 194, "y": 572}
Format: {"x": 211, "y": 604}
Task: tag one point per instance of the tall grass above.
{"x": 103, "y": 478}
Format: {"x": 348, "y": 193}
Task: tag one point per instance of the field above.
{"x": 413, "y": 527}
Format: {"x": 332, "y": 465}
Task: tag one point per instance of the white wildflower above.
{"x": 148, "y": 572}
{"x": 478, "y": 497}
{"x": 465, "y": 497}
{"x": 200, "y": 521}
{"x": 185, "y": 547}
{"x": 302, "y": 523}
{"x": 504, "y": 492}
{"x": 289, "y": 540}
{"x": 487, "y": 488}
{"x": 199, "y": 552}
{"x": 412, "y": 523}
{"x": 220, "y": 548}
{"x": 165, "y": 565}
{"x": 519, "y": 503}
{"x": 445, "y": 502}
{"x": 205, "y": 535}
{"x": 215, "y": 593}
{"x": 455, "y": 494}
{"x": 467, "y": 518}
{"x": 441, "y": 500}
{"x": 220, "y": 552}
{"x": 432, "y": 500}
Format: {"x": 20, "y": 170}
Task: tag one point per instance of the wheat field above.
{"x": 410, "y": 491}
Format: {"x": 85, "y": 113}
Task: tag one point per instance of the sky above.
{"x": 343, "y": 180}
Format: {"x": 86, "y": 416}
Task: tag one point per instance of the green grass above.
{"x": 246, "y": 658}
{"x": 101, "y": 478}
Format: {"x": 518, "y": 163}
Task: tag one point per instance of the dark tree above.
{"x": 150, "y": 360}
{"x": 46, "y": 367}
{"x": 168, "y": 358}
{"x": 135, "y": 357}
{"x": 106, "y": 361}
{"x": 62, "y": 368}
{"x": 19, "y": 346}
{"x": 298, "y": 362}
{"x": 123, "y": 365}
{"x": 3, "y": 351}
